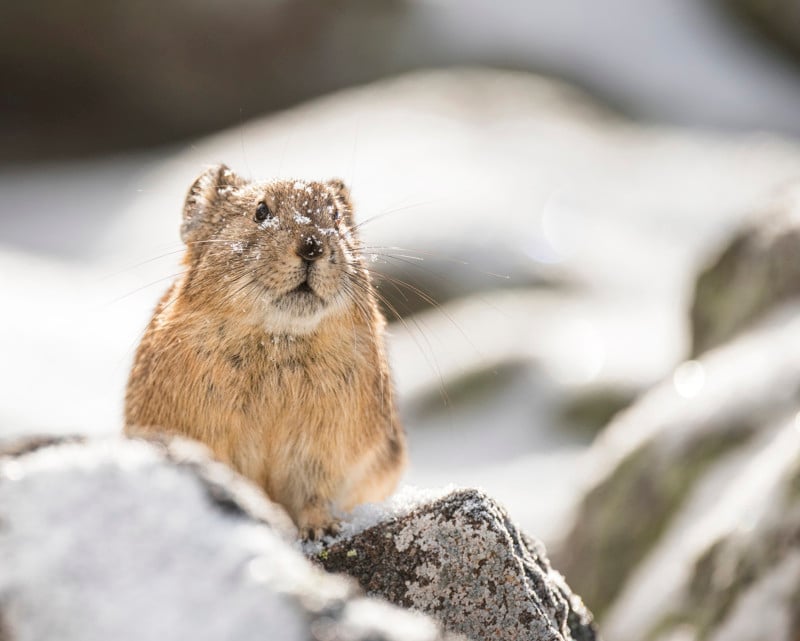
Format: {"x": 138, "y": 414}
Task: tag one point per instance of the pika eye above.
{"x": 262, "y": 212}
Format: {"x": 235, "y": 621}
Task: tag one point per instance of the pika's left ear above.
{"x": 201, "y": 210}
{"x": 341, "y": 194}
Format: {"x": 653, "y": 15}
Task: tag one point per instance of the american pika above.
{"x": 269, "y": 348}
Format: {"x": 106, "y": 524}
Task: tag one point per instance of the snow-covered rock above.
{"x": 462, "y": 560}
{"x": 779, "y": 20}
{"x": 129, "y": 540}
{"x": 744, "y": 583}
{"x": 758, "y": 269}
{"x": 686, "y": 466}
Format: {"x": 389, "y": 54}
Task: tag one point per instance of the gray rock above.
{"x": 463, "y": 561}
{"x": 655, "y": 458}
{"x": 199, "y": 67}
{"x": 779, "y": 20}
{"x": 758, "y": 269}
{"x": 123, "y": 540}
{"x": 203, "y": 65}
{"x": 733, "y": 574}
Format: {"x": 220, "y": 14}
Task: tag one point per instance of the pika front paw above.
{"x": 316, "y": 521}
{"x": 316, "y": 533}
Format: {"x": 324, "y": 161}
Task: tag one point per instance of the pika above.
{"x": 269, "y": 348}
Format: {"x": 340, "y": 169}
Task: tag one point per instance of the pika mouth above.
{"x": 304, "y": 295}
{"x": 303, "y": 288}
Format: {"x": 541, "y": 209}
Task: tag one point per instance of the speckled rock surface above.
{"x": 461, "y": 560}
{"x": 758, "y": 269}
{"x": 132, "y": 540}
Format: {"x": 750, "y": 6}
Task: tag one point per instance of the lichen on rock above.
{"x": 463, "y": 561}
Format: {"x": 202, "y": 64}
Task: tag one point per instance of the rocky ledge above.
{"x": 119, "y": 539}
{"x": 463, "y": 561}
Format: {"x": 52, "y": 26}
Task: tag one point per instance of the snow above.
{"x": 746, "y": 487}
{"x": 142, "y": 553}
{"x": 269, "y": 223}
{"x": 405, "y": 500}
{"x": 128, "y": 552}
{"x": 767, "y": 609}
{"x": 366, "y": 615}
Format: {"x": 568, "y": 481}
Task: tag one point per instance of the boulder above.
{"x": 758, "y": 269}
{"x": 115, "y": 539}
{"x": 778, "y": 20}
{"x": 463, "y": 561}
{"x": 731, "y": 572}
{"x": 131, "y": 539}
{"x": 126, "y": 80}
{"x": 664, "y": 463}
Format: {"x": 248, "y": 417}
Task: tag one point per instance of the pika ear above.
{"x": 199, "y": 211}
{"x": 341, "y": 194}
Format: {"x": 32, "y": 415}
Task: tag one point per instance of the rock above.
{"x": 779, "y": 20}
{"x": 667, "y": 460}
{"x": 732, "y": 572}
{"x": 591, "y": 411}
{"x": 462, "y": 560}
{"x": 758, "y": 269}
{"x": 115, "y": 539}
{"x": 126, "y": 80}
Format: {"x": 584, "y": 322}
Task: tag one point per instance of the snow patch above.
{"x": 404, "y": 501}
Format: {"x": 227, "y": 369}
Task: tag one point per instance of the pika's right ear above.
{"x": 199, "y": 211}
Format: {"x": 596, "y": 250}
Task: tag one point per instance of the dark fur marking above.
{"x": 395, "y": 448}
{"x": 291, "y": 363}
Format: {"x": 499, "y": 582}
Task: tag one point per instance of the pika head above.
{"x": 281, "y": 254}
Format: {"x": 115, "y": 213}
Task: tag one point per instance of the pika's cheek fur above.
{"x": 270, "y": 347}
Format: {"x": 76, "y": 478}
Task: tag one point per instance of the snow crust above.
{"x": 107, "y": 540}
{"x": 405, "y": 500}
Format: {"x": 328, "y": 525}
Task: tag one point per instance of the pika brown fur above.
{"x": 269, "y": 348}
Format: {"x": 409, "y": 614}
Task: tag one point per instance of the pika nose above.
{"x": 309, "y": 248}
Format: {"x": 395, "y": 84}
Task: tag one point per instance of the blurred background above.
{"x": 585, "y": 218}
